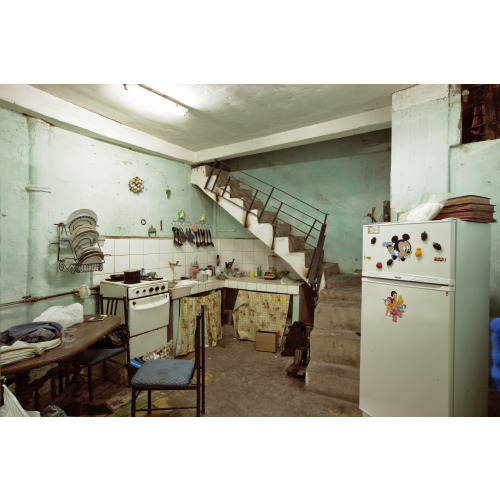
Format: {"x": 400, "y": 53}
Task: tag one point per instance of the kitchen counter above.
{"x": 185, "y": 288}
{"x": 192, "y": 287}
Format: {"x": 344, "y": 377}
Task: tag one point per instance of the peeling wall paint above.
{"x": 80, "y": 172}
{"x": 427, "y": 158}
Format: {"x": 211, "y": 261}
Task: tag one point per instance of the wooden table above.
{"x": 66, "y": 356}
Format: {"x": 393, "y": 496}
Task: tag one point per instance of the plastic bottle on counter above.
{"x": 209, "y": 271}
{"x": 236, "y": 273}
{"x": 195, "y": 271}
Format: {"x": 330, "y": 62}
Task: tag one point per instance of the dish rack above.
{"x": 69, "y": 260}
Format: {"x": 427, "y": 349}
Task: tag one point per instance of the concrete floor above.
{"x": 240, "y": 382}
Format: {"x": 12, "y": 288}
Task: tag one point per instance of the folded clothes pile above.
{"x": 23, "y": 350}
{"x": 36, "y": 331}
{"x": 28, "y": 340}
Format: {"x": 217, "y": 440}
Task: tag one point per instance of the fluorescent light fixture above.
{"x": 154, "y": 101}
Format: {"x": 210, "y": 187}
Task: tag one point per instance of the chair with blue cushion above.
{"x": 174, "y": 374}
{"x": 104, "y": 351}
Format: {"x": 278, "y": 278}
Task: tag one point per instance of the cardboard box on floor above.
{"x": 266, "y": 341}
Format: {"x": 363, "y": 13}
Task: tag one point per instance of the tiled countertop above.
{"x": 255, "y": 284}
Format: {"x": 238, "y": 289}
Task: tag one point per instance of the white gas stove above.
{"x": 148, "y": 312}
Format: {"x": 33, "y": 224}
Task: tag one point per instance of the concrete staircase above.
{"x": 236, "y": 200}
{"x": 333, "y": 369}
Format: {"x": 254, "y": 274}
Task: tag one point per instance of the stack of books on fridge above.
{"x": 470, "y": 208}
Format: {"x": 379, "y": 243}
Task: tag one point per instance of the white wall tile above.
{"x": 248, "y": 258}
{"x": 151, "y": 246}
{"x": 167, "y": 245}
{"x": 239, "y": 244}
{"x": 261, "y": 287}
{"x": 238, "y": 259}
{"x": 179, "y": 256}
{"x": 122, "y": 246}
{"x": 136, "y": 246}
{"x": 165, "y": 258}
{"x": 252, "y": 286}
{"x": 136, "y": 261}
{"x": 165, "y": 273}
{"x": 108, "y": 246}
{"x": 109, "y": 265}
{"x": 151, "y": 260}
{"x": 122, "y": 263}
{"x": 272, "y": 288}
{"x": 226, "y": 245}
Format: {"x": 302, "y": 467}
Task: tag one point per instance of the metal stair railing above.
{"x": 311, "y": 229}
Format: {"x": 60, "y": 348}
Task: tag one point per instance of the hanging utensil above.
{"x": 210, "y": 235}
{"x": 203, "y": 238}
{"x": 196, "y": 237}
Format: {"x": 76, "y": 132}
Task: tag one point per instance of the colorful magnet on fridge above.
{"x": 379, "y": 265}
{"x": 418, "y": 252}
{"x": 424, "y": 235}
{"x": 389, "y": 262}
{"x": 437, "y": 246}
{"x": 373, "y": 240}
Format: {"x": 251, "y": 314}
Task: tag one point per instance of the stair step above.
{"x": 296, "y": 243}
{"x": 330, "y": 269}
{"x": 335, "y": 347}
{"x": 332, "y": 380}
{"x": 338, "y": 315}
{"x": 345, "y": 294}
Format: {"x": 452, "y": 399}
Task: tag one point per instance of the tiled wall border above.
{"x": 154, "y": 255}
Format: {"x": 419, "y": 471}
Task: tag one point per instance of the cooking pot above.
{"x": 131, "y": 277}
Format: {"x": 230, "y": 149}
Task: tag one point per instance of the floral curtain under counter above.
{"x": 256, "y": 311}
{"x": 190, "y": 306}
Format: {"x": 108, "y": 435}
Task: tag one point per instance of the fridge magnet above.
{"x": 181, "y": 215}
{"x": 399, "y": 248}
{"x": 394, "y": 306}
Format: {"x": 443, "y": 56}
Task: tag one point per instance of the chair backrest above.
{"x": 109, "y": 305}
{"x": 199, "y": 340}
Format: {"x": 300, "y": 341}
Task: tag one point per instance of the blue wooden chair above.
{"x": 174, "y": 374}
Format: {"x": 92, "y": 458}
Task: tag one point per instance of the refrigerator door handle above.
{"x": 410, "y": 284}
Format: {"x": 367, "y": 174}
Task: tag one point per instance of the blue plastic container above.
{"x": 495, "y": 351}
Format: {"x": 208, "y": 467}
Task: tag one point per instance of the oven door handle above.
{"x": 146, "y": 303}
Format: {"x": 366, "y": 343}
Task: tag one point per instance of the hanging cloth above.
{"x": 254, "y": 311}
{"x": 190, "y": 306}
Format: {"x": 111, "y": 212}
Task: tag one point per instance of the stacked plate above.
{"x": 82, "y": 227}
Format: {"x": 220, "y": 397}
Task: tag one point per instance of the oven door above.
{"x": 148, "y": 321}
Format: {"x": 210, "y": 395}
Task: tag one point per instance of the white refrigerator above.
{"x": 424, "y": 319}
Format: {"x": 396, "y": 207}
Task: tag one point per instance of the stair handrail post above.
{"x": 310, "y": 229}
{"x": 265, "y": 204}
{"x": 210, "y": 176}
{"x": 315, "y": 263}
{"x": 250, "y": 207}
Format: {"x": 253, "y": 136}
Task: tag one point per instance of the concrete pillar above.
{"x": 40, "y": 234}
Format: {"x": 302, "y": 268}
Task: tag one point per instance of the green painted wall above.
{"x": 475, "y": 169}
{"x": 344, "y": 178}
{"x": 421, "y": 139}
{"x": 81, "y": 173}
{"x": 427, "y": 158}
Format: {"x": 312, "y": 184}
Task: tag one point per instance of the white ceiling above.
{"x": 222, "y": 121}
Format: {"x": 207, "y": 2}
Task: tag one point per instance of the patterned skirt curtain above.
{"x": 190, "y": 306}
{"x": 256, "y": 311}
